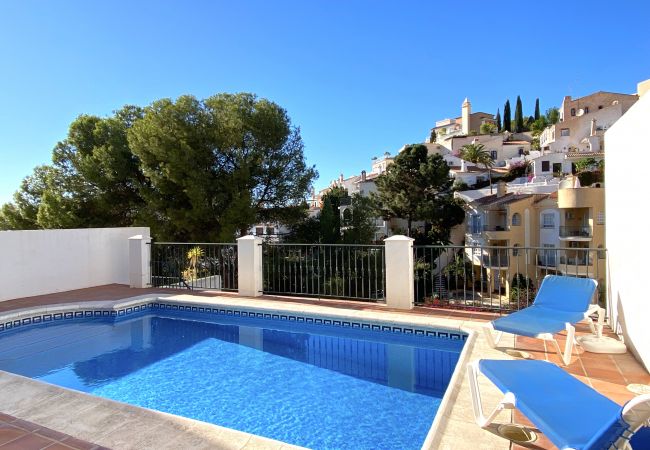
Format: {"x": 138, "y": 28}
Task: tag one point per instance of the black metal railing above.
{"x": 321, "y": 270}
{"x": 202, "y": 266}
{"x": 575, "y": 231}
{"x": 500, "y": 279}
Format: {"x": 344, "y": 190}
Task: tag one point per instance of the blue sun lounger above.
{"x": 571, "y": 414}
{"x": 560, "y": 302}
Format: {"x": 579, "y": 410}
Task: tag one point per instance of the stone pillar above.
{"x": 399, "y": 272}
{"x": 249, "y": 266}
{"x": 139, "y": 261}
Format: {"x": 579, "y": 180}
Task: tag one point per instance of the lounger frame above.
{"x": 636, "y": 412}
{"x": 565, "y": 355}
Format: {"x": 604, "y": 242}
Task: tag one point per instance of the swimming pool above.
{"x": 312, "y": 382}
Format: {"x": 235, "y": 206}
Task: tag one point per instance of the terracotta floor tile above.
{"x": 9, "y": 433}
{"x": 58, "y": 446}
{"x": 29, "y": 426}
{"x": 27, "y": 442}
{"x": 51, "y": 434}
{"x": 607, "y": 374}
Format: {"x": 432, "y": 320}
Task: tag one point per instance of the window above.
{"x": 573, "y": 111}
{"x": 515, "y": 250}
{"x": 600, "y": 106}
{"x": 270, "y": 230}
{"x": 586, "y": 110}
{"x": 548, "y": 221}
{"x": 564, "y": 132}
{"x": 546, "y": 166}
{"x": 493, "y": 155}
{"x": 259, "y": 231}
{"x": 516, "y": 219}
{"x": 521, "y": 151}
{"x": 602, "y": 254}
{"x": 600, "y": 218}
{"x": 557, "y": 167}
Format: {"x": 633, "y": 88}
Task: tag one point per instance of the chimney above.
{"x": 501, "y": 189}
{"x": 341, "y": 178}
{"x": 363, "y": 175}
{"x": 593, "y": 128}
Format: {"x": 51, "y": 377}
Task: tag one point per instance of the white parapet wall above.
{"x": 36, "y": 262}
{"x": 626, "y": 149}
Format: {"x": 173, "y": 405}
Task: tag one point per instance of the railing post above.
{"x": 249, "y": 266}
{"x": 399, "y": 272}
{"x": 139, "y": 261}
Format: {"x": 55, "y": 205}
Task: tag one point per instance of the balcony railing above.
{"x": 192, "y": 266}
{"x": 478, "y": 229}
{"x": 321, "y": 270}
{"x": 491, "y": 278}
{"x": 569, "y": 231}
{"x": 477, "y": 277}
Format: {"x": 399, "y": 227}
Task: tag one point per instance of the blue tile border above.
{"x": 303, "y": 318}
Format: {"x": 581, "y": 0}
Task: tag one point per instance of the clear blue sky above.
{"x": 359, "y": 77}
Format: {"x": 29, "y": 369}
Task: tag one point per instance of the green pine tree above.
{"x": 507, "y": 117}
{"x": 519, "y": 116}
{"x": 498, "y": 119}
{"x": 536, "y": 108}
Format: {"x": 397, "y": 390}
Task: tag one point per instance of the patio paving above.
{"x": 608, "y": 374}
{"x": 21, "y": 434}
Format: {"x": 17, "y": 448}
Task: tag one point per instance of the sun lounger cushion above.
{"x": 567, "y": 411}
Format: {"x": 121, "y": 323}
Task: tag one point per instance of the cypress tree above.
{"x": 506, "y": 116}
{"x": 498, "y": 119}
{"x": 536, "y": 108}
{"x": 519, "y": 117}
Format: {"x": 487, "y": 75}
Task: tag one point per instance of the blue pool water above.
{"x": 310, "y": 385}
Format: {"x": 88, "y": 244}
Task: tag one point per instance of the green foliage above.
{"x": 585, "y": 164}
{"x": 498, "y": 120}
{"x": 218, "y": 166}
{"x": 477, "y": 154}
{"x": 537, "y": 116}
{"x": 356, "y": 227}
{"x": 189, "y": 169}
{"x": 507, "y": 117}
{"x": 553, "y": 115}
{"x": 588, "y": 178}
{"x": 416, "y": 187}
{"x": 359, "y": 225}
{"x": 522, "y": 291}
{"x": 459, "y": 272}
{"x": 538, "y": 125}
{"x": 488, "y": 128}
{"x": 519, "y": 116}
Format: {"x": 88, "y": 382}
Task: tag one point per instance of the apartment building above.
{"x": 583, "y": 122}
{"x": 535, "y": 234}
{"x": 467, "y": 123}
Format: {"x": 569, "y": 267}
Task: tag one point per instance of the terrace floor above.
{"x": 608, "y": 374}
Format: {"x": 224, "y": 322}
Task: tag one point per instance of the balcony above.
{"x": 575, "y": 233}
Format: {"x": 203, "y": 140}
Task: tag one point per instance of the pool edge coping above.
{"x": 437, "y": 430}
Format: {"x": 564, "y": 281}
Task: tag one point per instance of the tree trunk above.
{"x": 490, "y": 177}
{"x": 408, "y": 227}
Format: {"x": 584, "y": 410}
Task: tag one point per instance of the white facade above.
{"x": 546, "y": 167}
{"x": 37, "y": 262}
{"x": 627, "y": 217}
{"x": 580, "y": 133}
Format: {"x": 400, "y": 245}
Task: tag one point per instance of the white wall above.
{"x": 36, "y": 262}
{"x": 626, "y": 225}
